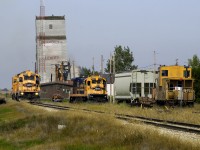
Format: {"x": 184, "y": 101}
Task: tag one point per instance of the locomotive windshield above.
{"x": 26, "y": 77}
{"x": 94, "y": 81}
{"x": 97, "y": 81}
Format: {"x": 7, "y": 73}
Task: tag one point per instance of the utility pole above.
{"x": 101, "y": 64}
{"x": 114, "y": 78}
{"x": 73, "y": 68}
{"x": 69, "y": 64}
{"x": 110, "y": 77}
{"x": 93, "y": 65}
{"x": 154, "y": 70}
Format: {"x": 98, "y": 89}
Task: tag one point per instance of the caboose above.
{"x": 175, "y": 86}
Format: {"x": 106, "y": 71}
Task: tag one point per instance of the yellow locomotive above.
{"x": 175, "y": 85}
{"x": 92, "y": 88}
{"x": 26, "y": 85}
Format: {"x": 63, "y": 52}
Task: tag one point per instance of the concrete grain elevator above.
{"x": 50, "y": 44}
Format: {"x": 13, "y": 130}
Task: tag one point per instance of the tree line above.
{"x": 195, "y": 64}
{"x": 123, "y": 62}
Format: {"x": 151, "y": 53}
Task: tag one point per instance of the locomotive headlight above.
{"x": 22, "y": 93}
{"x": 36, "y": 93}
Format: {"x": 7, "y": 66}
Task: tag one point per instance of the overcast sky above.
{"x": 95, "y": 27}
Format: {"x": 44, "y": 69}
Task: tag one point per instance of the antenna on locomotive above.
{"x": 176, "y": 62}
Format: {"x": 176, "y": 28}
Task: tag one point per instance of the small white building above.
{"x": 110, "y": 89}
{"x": 109, "y": 84}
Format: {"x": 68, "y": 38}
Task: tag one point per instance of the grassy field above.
{"x": 27, "y": 127}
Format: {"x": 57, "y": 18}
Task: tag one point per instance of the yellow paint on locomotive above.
{"x": 95, "y": 85}
{"x": 26, "y": 85}
{"x": 93, "y": 88}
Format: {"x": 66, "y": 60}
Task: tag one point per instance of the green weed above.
{"x": 82, "y": 147}
{"x": 30, "y": 143}
{"x": 4, "y": 145}
{"x": 9, "y": 127}
{"x": 5, "y": 110}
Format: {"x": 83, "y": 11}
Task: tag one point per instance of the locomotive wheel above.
{"x": 190, "y": 104}
{"x": 17, "y": 97}
{"x": 13, "y": 96}
{"x": 71, "y": 100}
{"x": 84, "y": 99}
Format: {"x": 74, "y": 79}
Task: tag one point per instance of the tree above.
{"x": 85, "y": 72}
{"x": 195, "y": 64}
{"x": 123, "y": 60}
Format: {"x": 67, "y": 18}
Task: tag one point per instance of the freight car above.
{"x": 26, "y": 85}
{"x": 92, "y": 88}
{"x": 175, "y": 86}
{"x": 135, "y": 86}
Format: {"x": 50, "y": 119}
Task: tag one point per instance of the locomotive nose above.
{"x": 29, "y": 84}
{"x": 97, "y": 88}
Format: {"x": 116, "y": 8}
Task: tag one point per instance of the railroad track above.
{"x": 180, "y": 126}
{"x": 63, "y": 107}
{"x": 185, "y": 127}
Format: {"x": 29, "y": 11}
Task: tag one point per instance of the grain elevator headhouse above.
{"x": 50, "y": 44}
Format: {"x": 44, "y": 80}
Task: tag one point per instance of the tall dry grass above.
{"x": 38, "y": 130}
{"x": 185, "y": 114}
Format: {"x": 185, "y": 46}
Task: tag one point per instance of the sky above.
{"x": 171, "y": 28}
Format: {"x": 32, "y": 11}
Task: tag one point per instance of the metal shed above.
{"x": 62, "y": 88}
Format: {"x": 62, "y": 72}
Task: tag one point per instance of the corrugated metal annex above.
{"x": 61, "y": 88}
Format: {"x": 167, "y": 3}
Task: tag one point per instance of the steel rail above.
{"x": 186, "y": 127}
{"x": 180, "y": 126}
